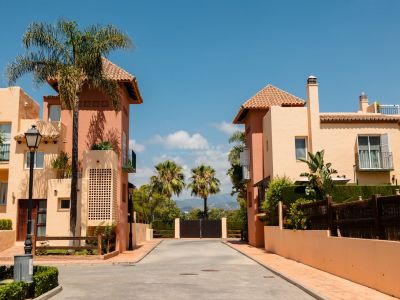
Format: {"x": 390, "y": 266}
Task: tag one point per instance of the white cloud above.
{"x": 142, "y": 176}
{"x": 133, "y": 144}
{"x": 227, "y": 128}
{"x": 183, "y": 140}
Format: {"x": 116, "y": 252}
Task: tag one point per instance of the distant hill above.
{"x": 225, "y": 201}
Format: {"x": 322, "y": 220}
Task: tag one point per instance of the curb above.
{"x": 136, "y": 261}
{"x": 309, "y": 291}
{"x": 50, "y": 293}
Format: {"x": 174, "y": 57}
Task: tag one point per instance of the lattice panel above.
{"x": 114, "y": 202}
{"x": 101, "y": 194}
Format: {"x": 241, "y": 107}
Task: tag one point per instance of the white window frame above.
{"x": 53, "y": 105}
{"x": 305, "y": 138}
{"x": 26, "y": 166}
{"x": 369, "y": 151}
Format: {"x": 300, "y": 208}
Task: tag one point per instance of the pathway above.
{"x": 179, "y": 269}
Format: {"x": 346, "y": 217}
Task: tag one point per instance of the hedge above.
{"x": 340, "y": 193}
{"x": 5, "y": 224}
{"x": 13, "y": 291}
{"x": 44, "y": 279}
{"x": 162, "y": 225}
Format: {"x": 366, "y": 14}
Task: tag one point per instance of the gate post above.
{"x": 177, "y": 228}
{"x": 224, "y": 233}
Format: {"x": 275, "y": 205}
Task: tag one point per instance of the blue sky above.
{"x": 197, "y": 61}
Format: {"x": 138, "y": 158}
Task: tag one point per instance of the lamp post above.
{"x": 23, "y": 264}
{"x": 32, "y": 137}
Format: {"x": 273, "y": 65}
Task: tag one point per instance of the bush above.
{"x": 340, "y": 193}
{"x": 13, "y": 291}
{"x": 5, "y": 224}
{"x": 162, "y": 225}
{"x": 295, "y": 218}
{"x": 273, "y": 196}
{"x": 106, "y": 145}
{"x": 6, "y": 272}
{"x": 44, "y": 279}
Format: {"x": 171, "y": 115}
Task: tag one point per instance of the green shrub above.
{"x": 106, "y": 145}
{"x": 44, "y": 279}
{"x": 5, "y": 224}
{"x": 273, "y": 196}
{"x": 162, "y": 225}
{"x": 340, "y": 193}
{"x": 6, "y": 272}
{"x": 295, "y": 218}
{"x": 13, "y": 291}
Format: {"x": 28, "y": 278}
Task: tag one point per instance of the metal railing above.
{"x": 383, "y": 161}
{"x": 5, "y": 152}
{"x": 389, "y": 109}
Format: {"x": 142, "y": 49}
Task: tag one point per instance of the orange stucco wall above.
{"x": 254, "y": 141}
{"x": 98, "y": 124}
{"x": 374, "y": 263}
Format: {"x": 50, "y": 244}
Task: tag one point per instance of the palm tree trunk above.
{"x": 74, "y": 165}
{"x": 205, "y": 209}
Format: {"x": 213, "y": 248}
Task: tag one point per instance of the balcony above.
{"x": 4, "y": 153}
{"x": 380, "y": 161}
{"x": 130, "y": 165}
{"x": 389, "y": 109}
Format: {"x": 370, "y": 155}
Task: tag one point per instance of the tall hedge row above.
{"x": 5, "y": 224}
{"x": 340, "y": 193}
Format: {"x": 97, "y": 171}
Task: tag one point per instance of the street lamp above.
{"x": 32, "y": 137}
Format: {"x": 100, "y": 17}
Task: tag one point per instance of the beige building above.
{"x": 364, "y": 147}
{"x": 103, "y": 181}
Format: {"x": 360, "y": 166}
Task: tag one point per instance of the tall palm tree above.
{"x": 203, "y": 183}
{"x": 74, "y": 58}
{"x": 169, "y": 179}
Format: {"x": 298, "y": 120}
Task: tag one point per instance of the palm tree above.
{"x": 238, "y": 138}
{"x": 204, "y": 183}
{"x": 169, "y": 179}
{"x": 319, "y": 177}
{"x": 74, "y": 58}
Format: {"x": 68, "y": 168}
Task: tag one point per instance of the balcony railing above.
{"x": 378, "y": 161}
{"x": 130, "y": 165}
{"x": 389, "y": 109}
{"x": 4, "y": 152}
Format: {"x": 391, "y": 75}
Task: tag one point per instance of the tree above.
{"x": 169, "y": 179}
{"x": 203, "y": 183}
{"x": 167, "y": 211}
{"x": 73, "y": 57}
{"x": 319, "y": 177}
{"x": 239, "y": 187}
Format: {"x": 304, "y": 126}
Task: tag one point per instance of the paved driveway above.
{"x": 179, "y": 269}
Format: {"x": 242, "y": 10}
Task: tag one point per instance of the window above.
{"x": 3, "y": 193}
{"x": 301, "y": 148}
{"x": 41, "y": 218}
{"x": 5, "y": 131}
{"x": 374, "y": 152}
{"x": 124, "y": 149}
{"x": 64, "y": 204}
{"x": 55, "y": 113}
{"x": 39, "y": 160}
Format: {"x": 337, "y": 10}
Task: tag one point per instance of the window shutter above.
{"x": 385, "y": 147}
{"x": 387, "y": 159}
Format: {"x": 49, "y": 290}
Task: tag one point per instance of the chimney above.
{"x": 363, "y": 102}
{"x": 312, "y": 112}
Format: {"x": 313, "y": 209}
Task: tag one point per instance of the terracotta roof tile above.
{"x": 358, "y": 118}
{"x": 267, "y": 97}
{"x": 48, "y": 130}
{"x": 112, "y": 71}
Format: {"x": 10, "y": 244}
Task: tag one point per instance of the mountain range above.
{"x": 225, "y": 201}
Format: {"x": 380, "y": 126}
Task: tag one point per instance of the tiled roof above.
{"x": 267, "y": 97}
{"x": 50, "y": 131}
{"x": 358, "y": 118}
{"x": 114, "y": 72}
